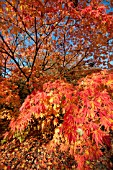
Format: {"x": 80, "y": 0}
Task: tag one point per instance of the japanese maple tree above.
{"x": 82, "y": 115}
{"x": 41, "y": 43}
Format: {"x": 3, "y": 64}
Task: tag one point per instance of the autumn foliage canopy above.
{"x": 46, "y": 83}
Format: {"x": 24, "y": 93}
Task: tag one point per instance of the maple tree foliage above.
{"x": 39, "y": 40}
{"x": 85, "y": 110}
{"x": 8, "y": 95}
{"x": 53, "y": 35}
{"x": 41, "y": 44}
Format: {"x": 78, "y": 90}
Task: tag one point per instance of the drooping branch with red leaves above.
{"x": 86, "y": 111}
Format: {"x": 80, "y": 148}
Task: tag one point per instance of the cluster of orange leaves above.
{"x": 87, "y": 108}
{"x": 9, "y": 93}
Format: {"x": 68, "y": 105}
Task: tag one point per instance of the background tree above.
{"x": 41, "y": 36}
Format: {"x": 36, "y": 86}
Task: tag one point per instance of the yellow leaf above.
{"x": 110, "y": 82}
{"x": 7, "y": 9}
{"x": 51, "y": 100}
{"x": 88, "y": 162}
{"x": 21, "y": 7}
{"x": 87, "y": 152}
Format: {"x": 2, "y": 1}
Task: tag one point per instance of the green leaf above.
{"x": 3, "y": 141}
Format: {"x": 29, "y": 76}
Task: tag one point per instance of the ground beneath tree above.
{"x": 32, "y": 154}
